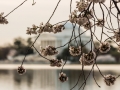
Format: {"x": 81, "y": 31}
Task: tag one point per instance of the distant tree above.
{"x": 19, "y": 42}
{"x": 4, "y": 52}
{"x": 114, "y": 52}
{"x": 29, "y": 41}
{"x": 22, "y": 46}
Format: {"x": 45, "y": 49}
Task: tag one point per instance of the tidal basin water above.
{"x": 42, "y": 77}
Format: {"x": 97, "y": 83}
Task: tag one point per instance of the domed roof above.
{"x": 67, "y": 31}
{"x": 70, "y": 26}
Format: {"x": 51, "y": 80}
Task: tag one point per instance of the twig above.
{"x": 15, "y": 8}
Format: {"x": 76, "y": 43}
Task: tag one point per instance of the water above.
{"x": 44, "y": 79}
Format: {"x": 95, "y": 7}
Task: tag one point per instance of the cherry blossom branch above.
{"x": 84, "y": 16}
{"x": 15, "y": 8}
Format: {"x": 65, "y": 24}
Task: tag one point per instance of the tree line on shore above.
{"x": 22, "y": 47}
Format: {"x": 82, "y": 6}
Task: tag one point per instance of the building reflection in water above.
{"x": 48, "y": 80}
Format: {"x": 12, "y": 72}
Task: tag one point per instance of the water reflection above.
{"x": 48, "y": 80}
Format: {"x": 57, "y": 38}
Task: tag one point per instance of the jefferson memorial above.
{"x": 61, "y": 38}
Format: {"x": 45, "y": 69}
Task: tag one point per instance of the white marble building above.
{"x": 61, "y": 38}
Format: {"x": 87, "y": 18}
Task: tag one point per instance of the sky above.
{"x": 27, "y": 15}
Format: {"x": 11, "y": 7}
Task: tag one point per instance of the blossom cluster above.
{"x": 82, "y": 15}
{"x": 45, "y": 28}
{"x": 75, "y": 51}
{"x": 82, "y": 5}
{"x": 104, "y": 47}
{"x": 88, "y": 59}
{"x": 63, "y": 77}
{"x": 109, "y": 79}
{"x": 3, "y": 20}
{"x": 81, "y": 19}
{"x": 56, "y": 62}
{"x": 49, "y": 50}
{"x": 73, "y": 17}
{"x": 87, "y": 25}
{"x": 21, "y": 70}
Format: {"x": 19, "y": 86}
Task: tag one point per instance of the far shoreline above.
{"x": 103, "y": 67}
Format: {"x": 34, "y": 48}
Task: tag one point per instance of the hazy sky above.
{"x": 26, "y": 15}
